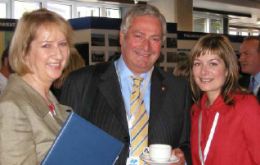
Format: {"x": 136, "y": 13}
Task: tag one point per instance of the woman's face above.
{"x": 48, "y": 54}
{"x": 209, "y": 73}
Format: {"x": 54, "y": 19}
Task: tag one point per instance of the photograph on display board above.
{"x": 7, "y": 27}
{"x": 113, "y": 40}
{"x": 97, "y": 39}
{"x": 171, "y": 42}
{"x": 98, "y": 56}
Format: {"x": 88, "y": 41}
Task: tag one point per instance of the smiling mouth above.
{"x": 143, "y": 53}
{"x": 205, "y": 80}
{"x": 55, "y": 65}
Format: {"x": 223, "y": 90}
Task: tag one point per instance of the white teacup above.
{"x": 160, "y": 152}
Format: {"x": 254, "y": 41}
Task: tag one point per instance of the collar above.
{"x": 218, "y": 102}
{"x": 124, "y": 72}
{"x": 257, "y": 78}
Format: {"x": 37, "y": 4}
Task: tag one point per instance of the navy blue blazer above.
{"x": 244, "y": 81}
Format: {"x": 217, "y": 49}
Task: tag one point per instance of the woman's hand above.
{"x": 178, "y": 153}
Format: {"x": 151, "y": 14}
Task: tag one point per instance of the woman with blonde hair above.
{"x": 30, "y": 115}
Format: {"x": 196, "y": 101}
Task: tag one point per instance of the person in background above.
{"x": 75, "y": 62}
{"x": 30, "y": 116}
{"x": 5, "y": 70}
{"x": 225, "y": 119}
{"x": 130, "y": 98}
{"x": 182, "y": 66}
{"x": 250, "y": 64}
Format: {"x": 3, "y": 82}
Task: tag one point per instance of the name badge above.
{"x": 133, "y": 160}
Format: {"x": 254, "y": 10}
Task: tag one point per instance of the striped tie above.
{"x": 139, "y": 120}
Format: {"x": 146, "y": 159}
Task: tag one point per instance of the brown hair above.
{"x": 26, "y": 31}
{"x": 218, "y": 45}
{"x": 250, "y": 38}
{"x": 182, "y": 66}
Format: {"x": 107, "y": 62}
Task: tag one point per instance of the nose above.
{"x": 58, "y": 52}
{"x": 204, "y": 70}
{"x": 146, "y": 44}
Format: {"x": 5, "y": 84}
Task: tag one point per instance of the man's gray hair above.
{"x": 142, "y": 10}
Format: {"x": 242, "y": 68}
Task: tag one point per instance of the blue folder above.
{"x": 81, "y": 143}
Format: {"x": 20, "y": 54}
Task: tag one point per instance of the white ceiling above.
{"x": 250, "y": 7}
{"x": 239, "y": 6}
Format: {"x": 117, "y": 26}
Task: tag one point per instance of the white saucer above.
{"x": 146, "y": 159}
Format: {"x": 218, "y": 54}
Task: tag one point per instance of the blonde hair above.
{"x": 26, "y": 32}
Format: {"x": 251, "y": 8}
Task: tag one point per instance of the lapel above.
{"x": 54, "y": 122}
{"x": 158, "y": 92}
{"x": 110, "y": 88}
{"x": 62, "y": 111}
{"x": 54, "y": 125}
{"x": 38, "y": 105}
{"x": 244, "y": 81}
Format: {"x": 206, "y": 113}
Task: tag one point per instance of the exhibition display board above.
{"x": 7, "y": 27}
{"x": 101, "y": 36}
{"x": 97, "y": 40}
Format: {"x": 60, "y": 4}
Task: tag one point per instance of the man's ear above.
{"x": 121, "y": 37}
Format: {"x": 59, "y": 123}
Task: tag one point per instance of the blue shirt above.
{"x": 257, "y": 83}
{"x": 126, "y": 83}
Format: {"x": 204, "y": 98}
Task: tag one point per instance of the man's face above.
{"x": 250, "y": 57}
{"x": 141, "y": 44}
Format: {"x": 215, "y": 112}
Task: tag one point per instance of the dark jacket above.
{"x": 94, "y": 93}
{"x": 244, "y": 81}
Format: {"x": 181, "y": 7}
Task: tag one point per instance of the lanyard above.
{"x": 203, "y": 156}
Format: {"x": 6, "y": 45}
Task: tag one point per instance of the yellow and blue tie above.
{"x": 139, "y": 120}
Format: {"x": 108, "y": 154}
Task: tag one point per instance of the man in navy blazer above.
{"x": 101, "y": 93}
{"x": 250, "y": 64}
